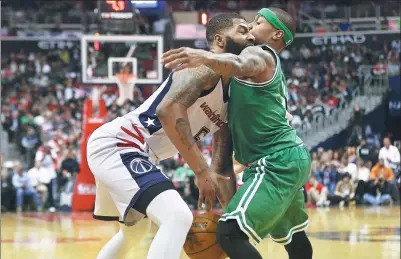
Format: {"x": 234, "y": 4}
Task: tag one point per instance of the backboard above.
{"x": 114, "y": 65}
{"x": 103, "y": 56}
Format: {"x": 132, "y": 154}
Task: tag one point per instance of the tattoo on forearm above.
{"x": 222, "y": 163}
{"x": 184, "y": 131}
{"x": 222, "y": 150}
{"x": 189, "y": 84}
{"x": 252, "y": 61}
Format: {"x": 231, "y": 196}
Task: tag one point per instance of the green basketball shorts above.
{"x": 271, "y": 200}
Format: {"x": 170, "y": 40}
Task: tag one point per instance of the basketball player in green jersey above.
{"x": 271, "y": 201}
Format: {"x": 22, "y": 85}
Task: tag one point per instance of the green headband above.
{"x": 276, "y": 23}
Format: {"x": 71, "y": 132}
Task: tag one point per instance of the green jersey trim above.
{"x": 268, "y": 82}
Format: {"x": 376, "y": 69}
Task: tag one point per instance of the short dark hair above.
{"x": 285, "y": 18}
{"x": 346, "y": 174}
{"x": 220, "y": 23}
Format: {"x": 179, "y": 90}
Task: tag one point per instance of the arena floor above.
{"x": 347, "y": 234}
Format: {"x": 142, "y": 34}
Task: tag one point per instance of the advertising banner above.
{"x": 348, "y": 38}
{"x": 15, "y": 45}
{"x": 394, "y": 99}
{"x": 313, "y": 40}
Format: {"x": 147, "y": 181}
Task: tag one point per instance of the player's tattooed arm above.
{"x": 187, "y": 86}
{"x": 222, "y": 150}
{"x": 252, "y": 61}
{"x": 222, "y": 163}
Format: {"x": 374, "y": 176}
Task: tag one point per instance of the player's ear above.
{"x": 219, "y": 40}
{"x": 278, "y": 35}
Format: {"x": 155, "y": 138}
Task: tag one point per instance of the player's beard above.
{"x": 233, "y": 47}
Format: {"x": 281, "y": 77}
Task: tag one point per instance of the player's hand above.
{"x": 207, "y": 183}
{"x": 179, "y": 59}
{"x": 226, "y": 190}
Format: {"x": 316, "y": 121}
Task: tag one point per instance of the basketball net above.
{"x": 126, "y": 83}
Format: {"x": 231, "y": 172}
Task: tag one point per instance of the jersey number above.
{"x": 201, "y": 133}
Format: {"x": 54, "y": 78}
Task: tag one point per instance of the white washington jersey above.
{"x": 206, "y": 116}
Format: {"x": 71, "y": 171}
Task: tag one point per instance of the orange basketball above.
{"x": 201, "y": 242}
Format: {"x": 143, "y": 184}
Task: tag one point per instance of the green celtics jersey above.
{"x": 257, "y": 116}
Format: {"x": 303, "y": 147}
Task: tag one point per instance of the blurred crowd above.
{"x": 41, "y": 112}
{"x": 364, "y": 174}
{"x": 321, "y": 79}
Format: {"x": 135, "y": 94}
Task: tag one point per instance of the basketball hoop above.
{"x": 126, "y": 83}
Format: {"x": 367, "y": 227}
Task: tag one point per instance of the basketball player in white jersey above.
{"x": 123, "y": 154}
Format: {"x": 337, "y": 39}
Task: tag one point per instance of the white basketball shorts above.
{"x": 117, "y": 157}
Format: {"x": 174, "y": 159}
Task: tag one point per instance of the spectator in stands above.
{"x": 69, "y": 169}
{"x": 327, "y": 176}
{"x": 384, "y": 24}
{"x": 393, "y": 66}
{"x": 356, "y": 122}
{"x": 23, "y": 188}
{"x": 345, "y": 25}
{"x": 48, "y": 160}
{"x": 12, "y": 124}
{"x": 396, "y": 45}
{"x": 293, "y": 90}
{"x": 30, "y": 142}
{"x": 347, "y": 167}
{"x": 380, "y": 68}
{"x": 362, "y": 180}
{"x": 393, "y": 53}
{"x": 7, "y": 189}
{"x": 65, "y": 56}
{"x": 333, "y": 69}
{"x": 373, "y": 141}
{"x": 379, "y": 192}
{"x": 364, "y": 151}
{"x": 335, "y": 161}
{"x": 390, "y": 155}
{"x": 325, "y": 156}
{"x": 351, "y": 155}
{"x": 298, "y": 71}
{"x": 305, "y": 52}
{"x": 357, "y": 56}
{"x": 316, "y": 193}
{"x": 317, "y": 81}
{"x": 315, "y": 163}
{"x": 345, "y": 191}
{"x": 380, "y": 170}
{"x": 109, "y": 98}
{"x": 37, "y": 175}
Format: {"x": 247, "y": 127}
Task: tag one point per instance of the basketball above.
{"x": 201, "y": 240}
